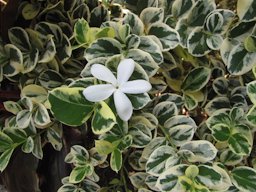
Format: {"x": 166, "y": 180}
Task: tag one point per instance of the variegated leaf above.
{"x": 198, "y": 151}
{"x": 251, "y": 91}
{"x": 216, "y": 104}
{"x": 190, "y": 101}
{"x": 244, "y": 178}
{"x": 49, "y": 51}
{"x": 181, "y": 129}
{"x": 157, "y": 160}
{"x": 103, "y": 47}
{"x": 144, "y": 59}
{"x": 246, "y": 10}
{"x": 151, "y": 15}
{"x": 80, "y": 30}
{"x": 181, "y": 7}
{"x": 99, "y": 15}
{"x": 165, "y": 110}
{"x": 147, "y": 44}
{"x": 23, "y": 118}
{"x": 177, "y": 99}
{"x": 199, "y": 12}
{"x": 220, "y": 86}
{"x": 19, "y": 38}
{"x": 139, "y": 100}
{"x": 153, "y": 144}
{"x": 239, "y": 144}
{"x": 138, "y": 179}
{"x": 151, "y": 182}
{"x": 219, "y": 116}
{"x": 214, "y": 22}
{"x": 209, "y": 176}
{"x": 229, "y": 158}
{"x": 221, "y": 132}
{"x": 37, "y": 149}
{"x": 196, "y": 79}
{"x": 28, "y": 145}
{"x": 5, "y": 142}
{"x": 196, "y": 42}
{"x": 240, "y": 61}
{"x": 50, "y": 79}
{"x": 250, "y": 44}
{"x": 134, "y": 22}
{"x": 54, "y": 136}
{"x": 132, "y": 41}
{"x": 168, "y": 36}
{"x": 103, "y": 119}
{"x": 72, "y": 98}
{"x": 168, "y": 180}
{"x": 41, "y": 117}
{"x": 79, "y": 173}
{"x": 12, "y": 107}
{"x": 214, "y": 41}
{"x": 35, "y": 92}
{"x": 116, "y": 160}
{"x": 5, "y": 158}
{"x": 141, "y": 135}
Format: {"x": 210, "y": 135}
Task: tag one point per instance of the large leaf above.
{"x": 103, "y": 119}
{"x": 69, "y": 106}
{"x": 244, "y": 178}
{"x": 196, "y": 79}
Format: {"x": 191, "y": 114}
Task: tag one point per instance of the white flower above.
{"x": 119, "y": 86}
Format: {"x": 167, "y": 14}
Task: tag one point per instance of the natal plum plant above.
{"x": 162, "y": 93}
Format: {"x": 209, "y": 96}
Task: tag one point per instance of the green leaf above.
{"x": 244, "y": 178}
{"x": 63, "y": 98}
{"x": 209, "y": 176}
{"x": 196, "y": 79}
{"x": 80, "y": 30}
{"x": 157, "y": 160}
{"x": 28, "y": 146}
{"x": 5, "y": 142}
{"x": 68, "y": 188}
{"x": 219, "y": 116}
{"x": 198, "y": 151}
{"x": 147, "y": 44}
{"x": 181, "y": 129}
{"x": 214, "y": 22}
{"x": 138, "y": 179}
{"x": 41, "y": 116}
{"x": 49, "y": 51}
{"x": 141, "y": 135}
{"x": 50, "y": 79}
{"x": 139, "y": 100}
{"x": 17, "y": 135}
{"x": 240, "y": 61}
{"x": 190, "y": 101}
{"x": 104, "y": 47}
{"x": 23, "y": 118}
{"x": 19, "y": 37}
{"x": 165, "y": 110}
{"x": 134, "y": 22}
{"x": 220, "y": 86}
{"x": 12, "y": 107}
{"x": 34, "y": 92}
{"x": 144, "y": 59}
{"x": 104, "y": 147}
{"x": 16, "y": 61}
{"x": 79, "y": 173}
{"x": 116, "y": 160}
{"x": 181, "y": 7}
{"x": 246, "y": 10}
{"x": 5, "y": 158}
{"x": 37, "y": 150}
{"x": 229, "y": 158}
{"x": 168, "y": 36}
{"x": 54, "y": 136}
{"x": 251, "y": 91}
{"x": 221, "y": 132}
{"x": 251, "y": 115}
{"x": 132, "y": 41}
{"x": 216, "y": 104}
{"x": 154, "y": 144}
{"x": 197, "y": 42}
{"x": 103, "y": 119}
{"x": 168, "y": 181}
{"x": 239, "y": 144}
{"x": 250, "y": 44}
{"x": 152, "y": 15}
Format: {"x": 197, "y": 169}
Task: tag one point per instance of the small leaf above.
{"x": 79, "y": 173}
{"x": 28, "y": 146}
{"x": 12, "y": 106}
{"x": 152, "y": 15}
{"x": 165, "y": 110}
{"x": 5, "y": 158}
{"x": 251, "y": 91}
{"x": 80, "y": 30}
{"x": 30, "y": 11}
{"x": 5, "y": 142}
{"x": 41, "y": 117}
{"x": 134, "y": 22}
{"x": 246, "y": 10}
{"x": 37, "y": 150}
{"x": 23, "y": 118}
{"x": 116, "y": 160}
{"x": 103, "y": 119}
{"x": 35, "y": 92}
{"x": 196, "y": 79}
{"x": 239, "y": 144}
{"x": 138, "y": 179}
{"x": 141, "y": 135}
{"x": 190, "y": 101}
{"x": 221, "y": 132}
{"x": 104, "y": 147}
{"x": 229, "y": 158}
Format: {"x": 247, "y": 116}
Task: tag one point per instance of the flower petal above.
{"x": 97, "y": 93}
{"x": 123, "y": 105}
{"x": 135, "y": 87}
{"x": 125, "y": 70}
{"x": 103, "y": 73}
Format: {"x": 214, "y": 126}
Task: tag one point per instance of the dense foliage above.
{"x": 193, "y": 131}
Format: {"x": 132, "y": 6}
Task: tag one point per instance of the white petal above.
{"x": 125, "y": 70}
{"x": 135, "y": 87}
{"x": 103, "y": 73}
{"x": 123, "y": 105}
{"x": 97, "y": 93}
